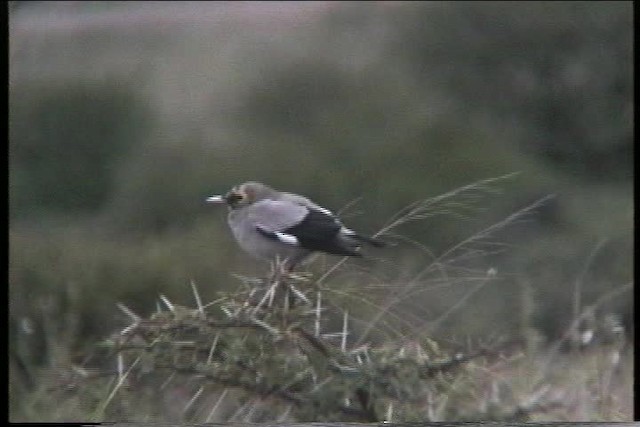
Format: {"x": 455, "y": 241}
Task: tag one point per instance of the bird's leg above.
{"x": 283, "y": 277}
{"x": 279, "y": 269}
{"x": 287, "y": 266}
{"x": 285, "y": 271}
{"x": 277, "y": 278}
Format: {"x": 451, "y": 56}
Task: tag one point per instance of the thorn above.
{"x": 197, "y": 297}
{"x": 126, "y": 310}
{"x": 166, "y": 302}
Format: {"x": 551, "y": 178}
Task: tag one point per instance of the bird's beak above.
{"x": 215, "y": 199}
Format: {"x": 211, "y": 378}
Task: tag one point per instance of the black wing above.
{"x": 317, "y": 231}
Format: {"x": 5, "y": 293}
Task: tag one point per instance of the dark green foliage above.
{"x": 261, "y": 342}
{"x": 559, "y": 72}
{"x": 271, "y": 346}
{"x": 66, "y": 143}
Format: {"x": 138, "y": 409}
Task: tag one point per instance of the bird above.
{"x": 270, "y": 225}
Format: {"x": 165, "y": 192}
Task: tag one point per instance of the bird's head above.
{"x": 243, "y": 195}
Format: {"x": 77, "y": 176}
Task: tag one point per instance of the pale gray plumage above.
{"x": 270, "y": 224}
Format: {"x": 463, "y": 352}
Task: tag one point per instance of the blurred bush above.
{"x": 65, "y": 144}
{"x": 559, "y": 74}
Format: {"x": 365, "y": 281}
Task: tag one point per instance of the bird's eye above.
{"x": 233, "y": 198}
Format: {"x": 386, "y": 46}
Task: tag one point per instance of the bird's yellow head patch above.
{"x": 247, "y": 193}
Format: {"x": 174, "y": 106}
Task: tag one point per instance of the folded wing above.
{"x": 294, "y": 224}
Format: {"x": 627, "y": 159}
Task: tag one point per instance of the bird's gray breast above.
{"x": 269, "y": 215}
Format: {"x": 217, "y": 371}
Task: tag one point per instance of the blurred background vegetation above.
{"x": 124, "y": 116}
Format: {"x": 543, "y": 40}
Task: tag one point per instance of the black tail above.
{"x": 370, "y": 240}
